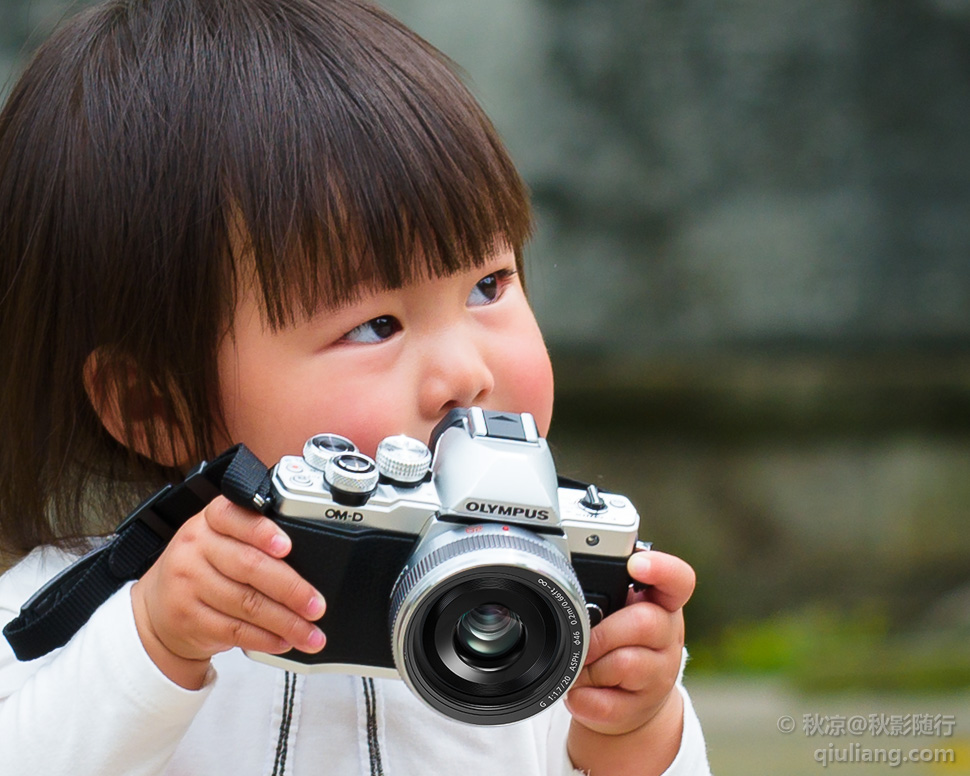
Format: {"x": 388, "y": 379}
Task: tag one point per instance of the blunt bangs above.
{"x": 357, "y": 160}
{"x": 154, "y": 155}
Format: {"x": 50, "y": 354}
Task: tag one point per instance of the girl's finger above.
{"x": 272, "y": 577}
{"x": 642, "y": 624}
{"x": 670, "y": 580}
{"x": 247, "y": 606}
{"x": 613, "y": 711}
{"x": 218, "y": 631}
{"x": 228, "y": 519}
{"x": 635, "y": 669}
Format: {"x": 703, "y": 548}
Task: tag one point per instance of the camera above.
{"x": 474, "y": 574}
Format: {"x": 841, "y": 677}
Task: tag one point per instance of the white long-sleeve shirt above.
{"x": 99, "y": 706}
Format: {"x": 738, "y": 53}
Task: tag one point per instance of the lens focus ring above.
{"x": 488, "y": 624}
{"x": 473, "y": 543}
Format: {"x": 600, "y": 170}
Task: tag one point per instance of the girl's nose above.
{"x": 456, "y": 373}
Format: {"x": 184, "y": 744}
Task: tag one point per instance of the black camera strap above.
{"x": 61, "y": 607}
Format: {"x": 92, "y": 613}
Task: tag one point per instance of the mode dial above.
{"x": 322, "y": 447}
{"x": 352, "y": 477}
{"x": 403, "y": 459}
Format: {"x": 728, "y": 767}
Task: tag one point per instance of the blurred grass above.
{"x": 822, "y": 650}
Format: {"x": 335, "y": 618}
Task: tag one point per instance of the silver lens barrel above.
{"x": 488, "y": 623}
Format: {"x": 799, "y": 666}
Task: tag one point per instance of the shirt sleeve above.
{"x": 97, "y": 705}
{"x": 691, "y": 759}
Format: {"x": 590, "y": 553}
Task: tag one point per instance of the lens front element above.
{"x": 488, "y": 624}
{"x": 487, "y": 632}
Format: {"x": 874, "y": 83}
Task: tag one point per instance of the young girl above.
{"x": 254, "y": 220}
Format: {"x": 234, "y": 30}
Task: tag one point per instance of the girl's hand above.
{"x": 626, "y": 710}
{"x": 221, "y": 583}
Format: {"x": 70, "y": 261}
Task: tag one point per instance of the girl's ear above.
{"x": 135, "y": 418}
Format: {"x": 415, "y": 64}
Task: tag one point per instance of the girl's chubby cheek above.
{"x": 532, "y": 391}
{"x": 540, "y": 405}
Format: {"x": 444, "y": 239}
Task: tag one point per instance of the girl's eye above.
{"x": 490, "y": 288}
{"x": 375, "y": 330}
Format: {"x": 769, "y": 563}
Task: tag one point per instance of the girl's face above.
{"x": 393, "y": 362}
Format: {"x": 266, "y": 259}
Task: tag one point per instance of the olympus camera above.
{"x": 474, "y": 575}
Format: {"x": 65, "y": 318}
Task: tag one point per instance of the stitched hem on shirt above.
{"x": 373, "y": 743}
{"x": 282, "y": 743}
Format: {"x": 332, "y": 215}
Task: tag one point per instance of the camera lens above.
{"x": 488, "y": 631}
{"x": 488, "y": 623}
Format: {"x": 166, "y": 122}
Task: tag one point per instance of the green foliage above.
{"x": 821, "y": 649}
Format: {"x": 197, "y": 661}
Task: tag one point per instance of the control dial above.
{"x": 321, "y": 448}
{"x": 352, "y": 477}
{"x": 403, "y": 459}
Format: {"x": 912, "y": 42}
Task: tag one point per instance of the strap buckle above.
{"x": 195, "y": 486}
{"x": 145, "y": 513}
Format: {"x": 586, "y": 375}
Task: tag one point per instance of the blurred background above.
{"x": 752, "y": 266}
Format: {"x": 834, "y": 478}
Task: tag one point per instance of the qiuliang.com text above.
{"x": 893, "y": 757}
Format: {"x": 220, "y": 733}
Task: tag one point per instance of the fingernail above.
{"x": 279, "y": 544}
{"x": 316, "y": 607}
{"x": 316, "y": 639}
{"x": 640, "y": 563}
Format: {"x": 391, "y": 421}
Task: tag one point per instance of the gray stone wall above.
{"x": 716, "y": 173}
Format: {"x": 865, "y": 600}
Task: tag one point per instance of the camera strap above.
{"x": 62, "y": 606}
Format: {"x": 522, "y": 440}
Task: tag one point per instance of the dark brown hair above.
{"x": 147, "y": 148}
